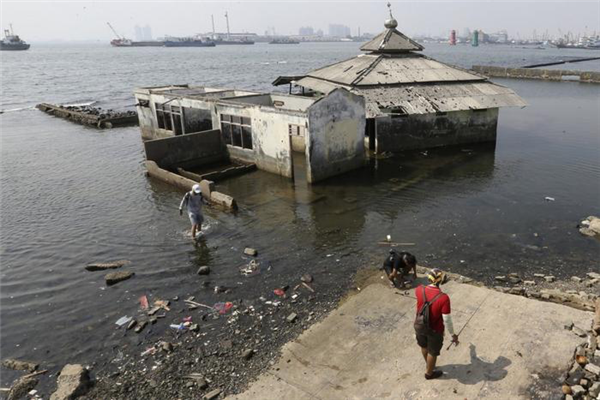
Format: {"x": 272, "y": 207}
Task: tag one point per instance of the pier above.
{"x": 534, "y": 73}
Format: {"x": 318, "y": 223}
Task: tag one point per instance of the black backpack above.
{"x": 422, "y": 320}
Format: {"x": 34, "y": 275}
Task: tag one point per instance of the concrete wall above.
{"x": 186, "y": 151}
{"x": 537, "y": 73}
{"x": 271, "y": 143}
{"x": 335, "y": 137}
{"x": 422, "y": 131}
{"x": 147, "y": 115}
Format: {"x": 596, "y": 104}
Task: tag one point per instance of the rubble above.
{"x": 212, "y": 395}
{"x": 73, "y": 381}
{"x": 21, "y": 387}
{"x": 105, "y": 266}
{"x": 203, "y": 270}
{"x": 19, "y": 365}
{"x": 116, "y": 277}
{"x": 250, "y": 252}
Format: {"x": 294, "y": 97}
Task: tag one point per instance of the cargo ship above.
{"x": 122, "y": 41}
{"x": 284, "y": 40}
{"x": 12, "y": 42}
{"x": 188, "y": 42}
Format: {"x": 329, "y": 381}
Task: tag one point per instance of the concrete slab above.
{"x": 366, "y": 349}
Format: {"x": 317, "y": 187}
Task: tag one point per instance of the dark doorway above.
{"x": 370, "y": 133}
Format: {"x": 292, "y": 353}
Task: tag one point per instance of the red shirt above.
{"x": 440, "y": 306}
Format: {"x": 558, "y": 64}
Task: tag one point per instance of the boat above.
{"x": 221, "y": 41}
{"x": 12, "y": 41}
{"x": 188, "y": 42}
{"x": 284, "y": 41}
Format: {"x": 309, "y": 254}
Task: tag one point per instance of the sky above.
{"x": 86, "y": 20}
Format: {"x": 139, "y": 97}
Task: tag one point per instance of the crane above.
{"x": 115, "y": 32}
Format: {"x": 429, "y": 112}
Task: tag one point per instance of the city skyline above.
{"x": 68, "y": 21}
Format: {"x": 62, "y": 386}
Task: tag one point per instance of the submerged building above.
{"x": 412, "y": 101}
{"x": 389, "y": 99}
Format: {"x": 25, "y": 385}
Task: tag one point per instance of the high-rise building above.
{"x": 139, "y": 33}
{"x": 147, "y": 32}
{"x": 306, "y": 31}
{"x": 338, "y": 30}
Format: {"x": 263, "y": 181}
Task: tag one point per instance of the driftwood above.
{"x": 109, "y": 265}
{"x": 198, "y": 304}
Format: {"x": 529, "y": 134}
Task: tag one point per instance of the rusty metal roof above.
{"x": 386, "y": 69}
{"x": 391, "y": 41}
{"x": 426, "y": 99}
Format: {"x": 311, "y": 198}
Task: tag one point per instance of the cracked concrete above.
{"x": 366, "y": 349}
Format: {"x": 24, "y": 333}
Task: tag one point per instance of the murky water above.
{"x": 73, "y": 195}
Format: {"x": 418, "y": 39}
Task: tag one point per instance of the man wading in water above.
{"x": 433, "y": 313}
{"x": 193, "y": 200}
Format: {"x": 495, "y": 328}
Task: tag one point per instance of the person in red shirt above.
{"x": 439, "y": 318}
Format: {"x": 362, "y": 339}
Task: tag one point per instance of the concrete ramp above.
{"x": 366, "y": 350}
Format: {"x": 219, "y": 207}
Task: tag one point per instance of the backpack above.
{"x": 422, "y": 320}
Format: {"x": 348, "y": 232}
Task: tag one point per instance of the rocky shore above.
{"x": 211, "y": 351}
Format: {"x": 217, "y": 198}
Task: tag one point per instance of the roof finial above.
{"x": 390, "y": 23}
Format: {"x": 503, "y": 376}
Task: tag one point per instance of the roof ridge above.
{"x": 365, "y": 71}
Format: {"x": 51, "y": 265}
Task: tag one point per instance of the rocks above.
{"x": 141, "y": 326}
{"x": 576, "y": 279}
{"x": 166, "y": 346}
{"x": 247, "y": 354}
{"x": 306, "y": 278}
{"x": 19, "y": 365}
{"x": 200, "y": 381}
{"x": 516, "y": 290}
{"x": 550, "y": 278}
{"x": 593, "y": 275}
{"x": 105, "y": 266}
{"x": 594, "y": 390}
{"x": 131, "y": 324}
{"x": 590, "y": 226}
{"x": 529, "y": 283}
{"x": 203, "y": 270}
{"x": 514, "y": 279}
{"x": 579, "y": 332}
{"x": 593, "y": 368}
{"x": 116, "y": 277}
{"x": 566, "y": 389}
{"x": 500, "y": 278}
{"x": 291, "y": 318}
{"x": 212, "y": 395}
{"x": 250, "y": 252}
{"x": 21, "y": 387}
{"x": 74, "y": 381}
{"x": 596, "y": 323}
{"x": 539, "y": 275}
{"x": 577, "y": 390}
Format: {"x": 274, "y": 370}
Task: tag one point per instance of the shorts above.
{"x": 432, "y": 342}
{"x": 196, "y": 219}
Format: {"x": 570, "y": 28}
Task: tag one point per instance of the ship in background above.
{"x": 194, "y": 41}
{"x": 284, "y": 40}
{"x": 229, "y": 38}
{"x": 122, "y": 41}
{"x": 12, "y": 42}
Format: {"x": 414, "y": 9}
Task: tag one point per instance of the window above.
{"x": 296, "y": 130}
{"x": 169, "y": 118}
{"x": 236, "y": 131}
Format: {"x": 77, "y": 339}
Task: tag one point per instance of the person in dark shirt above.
{"x": 397, "y": 265}
{"x": 439, "y": 318}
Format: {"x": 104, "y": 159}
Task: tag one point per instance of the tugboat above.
{"x": 12, "y": 41}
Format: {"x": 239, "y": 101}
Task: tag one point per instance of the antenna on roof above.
{"x": 389, "y": 5}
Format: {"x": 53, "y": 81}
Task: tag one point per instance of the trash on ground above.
{"x": 144, "y": 302}
{"x": 123, "y": 320}
{"x": 223, "y": 308}
{"x": 549, "y": 198}
{"x": 279, "y": 292}
{"x": 164, "y": 304}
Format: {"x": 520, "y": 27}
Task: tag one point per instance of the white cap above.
{"x": 196, "y": 188}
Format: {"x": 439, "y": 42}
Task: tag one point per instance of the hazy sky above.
{"x": 86, "y": 20}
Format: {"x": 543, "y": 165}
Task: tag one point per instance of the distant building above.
{"x": 320, "y": 32}
{"x": 338, "y": 30}
{"x": 306, "y": 31}
{"x": 143, "y": 33}
{"x": 147, "y": 32}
